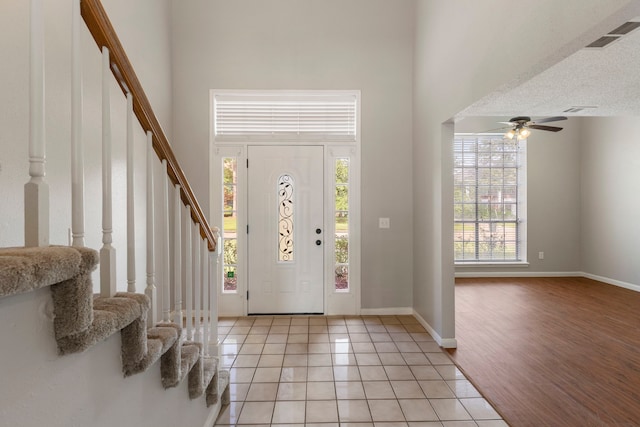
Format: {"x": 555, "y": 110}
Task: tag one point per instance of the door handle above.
{"x": 318, "y": 242}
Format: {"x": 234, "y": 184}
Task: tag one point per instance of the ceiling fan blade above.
{"x": 508, "y": 123}
{"x": 551, "y": 119}
{"x": 542, "y": 127}
{"x": 493, "y": 130}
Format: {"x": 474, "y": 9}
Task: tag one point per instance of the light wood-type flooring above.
{"x": 551, "y": 351}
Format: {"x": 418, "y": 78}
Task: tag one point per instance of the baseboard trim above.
{"x": 386, "y": 311}
{"x": 602, "y": 279}
{"x": 485, "y": 274}
{"x": 442, "y": 342}
{"x": 213, "y": 413}
{"x": 614, "y": 282}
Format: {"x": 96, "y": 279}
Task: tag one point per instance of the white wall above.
{"x": 464, "y": 51}
{"x": 610, "y": 202}
{"x": 306, "y": 44}
{"x": 553, "y": 198}
{"x": 144, "y": 29}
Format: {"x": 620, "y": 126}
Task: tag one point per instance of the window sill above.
{"x": 492, "y": 264}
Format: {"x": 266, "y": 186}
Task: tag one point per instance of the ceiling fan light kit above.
{"x": 522, "y": 125}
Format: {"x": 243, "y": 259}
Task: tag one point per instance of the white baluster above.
{"x": 188, "y": 277}
{"x": 77, "y": 157}
{"x": 36, "y": 191}
{"x": 108, "y": 252}
{"x": 196, "y": 281}
{"x": 166, "y": 256}
{"x": 214, "y": 277}
{"x": 177, "y": 262}
{"x": 131, "y": 218}
{"x": 204, "y": 252}
{"x": 150, "y": 290}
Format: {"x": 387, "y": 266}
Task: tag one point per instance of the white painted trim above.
{"x": 213, "y": 413}
{"x": 610, "y": 281}
{"x": 491, "y": 264}
{"x": 484, "y": 274}
{"x": 386, "y": 311}
{"x": 442, "y": 342}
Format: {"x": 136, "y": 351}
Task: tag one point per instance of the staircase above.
{"x": 59, "y": 354}
{"x": 81, "y": 320}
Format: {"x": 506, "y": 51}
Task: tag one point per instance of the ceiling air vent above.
{"x": 626, "y": 28}
{"x": 603, "y": 41}
{"x": 578, "y": 108}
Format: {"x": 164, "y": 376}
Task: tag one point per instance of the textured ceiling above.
{"x": 606, "y": 78}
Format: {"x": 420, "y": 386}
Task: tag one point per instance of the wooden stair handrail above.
{"x": 95, "y": 17}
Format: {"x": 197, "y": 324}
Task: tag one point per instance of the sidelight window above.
{"x": 230, "y": 224}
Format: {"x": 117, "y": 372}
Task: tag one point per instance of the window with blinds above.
{"x": 286, "y": 115}
{"x": 489, "y": 199}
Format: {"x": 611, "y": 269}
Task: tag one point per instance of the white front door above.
{"x": 285, "y": 229}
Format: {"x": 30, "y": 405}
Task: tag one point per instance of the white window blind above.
{"x": 489, "y": 199}
{"x": 285, "y": 115}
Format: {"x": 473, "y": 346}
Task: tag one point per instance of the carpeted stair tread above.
{"x": 201, "y": 375}
{"x": 219, "y": 386}
{"x": 190, "y": 354}
{"x": 167, "y": 335}
{"x": 171, "y": 362}
{"x": 159, "y": 340}
{"x": 110, "y": 315}
{"x": 154, "y": 351}
{"x": 178, "y": 361}
{"x": 28, "y": 269}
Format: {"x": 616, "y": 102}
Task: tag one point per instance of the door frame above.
{"x": 335, "y": 303}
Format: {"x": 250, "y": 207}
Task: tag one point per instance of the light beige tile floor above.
{"x": 369, "y": 371}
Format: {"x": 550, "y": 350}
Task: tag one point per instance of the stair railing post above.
{"x": 214, "y": 277}
{"x": 188, "y": 270}
{"x": 36, "y": 191}
{"x": 204, "y": 252}
{"x": 77, "y": 156}
{"x": 131, "y": 218}
{"x": 108, "y": 252}
{"x": 177, "y": 261}
{"x": 150, "y": 290}
{"x": 166, "y": 279}
{"x": 196, "y": 281}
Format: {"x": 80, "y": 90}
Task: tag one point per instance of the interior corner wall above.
{"x": 462, "y": 52}
{"x": 308, "y": 44}
{"x": 610, "y": 175}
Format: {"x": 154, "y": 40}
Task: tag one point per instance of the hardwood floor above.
{"x": 551, "y": 351}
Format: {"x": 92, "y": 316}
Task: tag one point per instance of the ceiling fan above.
{"x": 521, "y": 126}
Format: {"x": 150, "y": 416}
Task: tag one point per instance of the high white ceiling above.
{"x": 607, "y": 78}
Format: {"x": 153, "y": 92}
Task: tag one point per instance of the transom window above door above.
{"x": 286, "y": 116}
